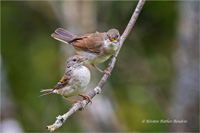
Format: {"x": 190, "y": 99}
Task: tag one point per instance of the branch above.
{"x": 97, "y": 90}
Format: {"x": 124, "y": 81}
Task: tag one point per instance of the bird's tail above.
{"x": 63, "y": 35}
{"x": 46, "y": 91}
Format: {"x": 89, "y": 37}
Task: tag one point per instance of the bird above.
{"x": 74, "y": 81}
{"x": 97, "y": 47}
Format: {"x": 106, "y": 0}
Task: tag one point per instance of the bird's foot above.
{"x": 74, "y": 102}
{"x": 98, "y": 69}
{"x": 104, "y": 72}
{"x": 86, "y": 97}
{"x": 107, "y": 72}
{"x": 80, "y": 104}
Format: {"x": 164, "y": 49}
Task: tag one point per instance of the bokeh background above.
{"x": 156, "y": 75}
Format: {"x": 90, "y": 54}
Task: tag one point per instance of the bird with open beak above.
{"x": 97, "y": 47}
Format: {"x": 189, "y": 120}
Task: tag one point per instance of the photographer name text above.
{"x": 164, "y": 121}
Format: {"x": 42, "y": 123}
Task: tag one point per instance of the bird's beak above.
{"x": 83, "y": 59}
{"x": 112, "y": 39}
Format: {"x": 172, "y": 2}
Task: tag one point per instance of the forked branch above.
{"x": 62, "y": 118}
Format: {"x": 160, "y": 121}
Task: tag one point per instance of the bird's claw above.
{"x": 89, "y": 99}
{"x": 74, "y": 102}
{"x": 86, "y": 97}
{"x": 82, "y": 108}
{"x": 107, "y": 72}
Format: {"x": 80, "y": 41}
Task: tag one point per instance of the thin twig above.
{"x": 62, "y": 118}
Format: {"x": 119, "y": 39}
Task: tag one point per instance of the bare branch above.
{"x": 61, "y": 119}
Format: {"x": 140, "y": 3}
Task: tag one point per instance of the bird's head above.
{"x": 75, "y": 60}
{"x": 113, "y": 35}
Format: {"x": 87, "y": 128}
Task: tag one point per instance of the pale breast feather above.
{"x": 82, "y": 77}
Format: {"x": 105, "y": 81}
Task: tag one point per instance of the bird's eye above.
{"x": 117, "y": 36}
{"x": 74, "y": 59}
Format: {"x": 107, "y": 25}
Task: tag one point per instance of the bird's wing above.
{"x": 89, "y": 42}
{"x": 63, "y": 35}
{"x": 64, "y": 80}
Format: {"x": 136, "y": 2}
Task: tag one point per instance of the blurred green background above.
{"x": 147, "y": 80}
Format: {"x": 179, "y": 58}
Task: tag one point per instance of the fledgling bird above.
{"x": 97, "y": 47}
{"x": 74, "y": 81}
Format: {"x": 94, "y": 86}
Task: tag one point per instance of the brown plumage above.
{"x": 97, "y": 47}
{"x": 62, "y": 83}
{"x": 75, "y": 79}
{"x": 89, "y": 42}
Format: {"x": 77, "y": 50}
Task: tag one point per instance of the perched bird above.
{"x": 97, "y": 47}
{"x": 74, "y": 81}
